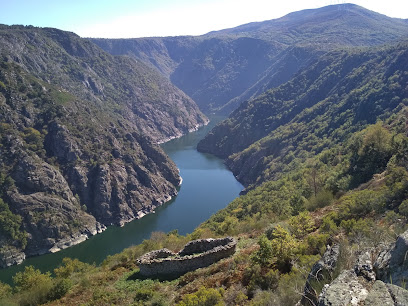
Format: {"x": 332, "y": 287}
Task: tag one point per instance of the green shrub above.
{"x": 328, "y": 225}
{"x": 5, "y": 291}
{"x": 10, "y": 224}
{"x": 283, "y": 245}
{"x": 32, "y": 286}
{"x": 70, "y": 266}
{"x": 60, "y": 288}
{"x": 264, "y": 254}
{"x": 144, "y": 294}
{"x": 301, "y": 225}
{"x": 323, "y": 198}
{"x": 403, "y": 208}
{"x": 316, "y": 243}
{"x": 204, "y": 297}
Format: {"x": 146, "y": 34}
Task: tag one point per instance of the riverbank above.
{"x": 208, "y": 186}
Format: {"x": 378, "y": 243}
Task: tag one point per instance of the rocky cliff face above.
{"x": 78, "y": 134}
{"x": 378, "y": 278}
{"x": 120, "y": 84}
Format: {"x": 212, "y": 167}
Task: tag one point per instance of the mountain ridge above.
{"x": 219, "y": 73}
{"x": 287, "y": 120}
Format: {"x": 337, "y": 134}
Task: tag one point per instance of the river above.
{"x": 207, "y": 187}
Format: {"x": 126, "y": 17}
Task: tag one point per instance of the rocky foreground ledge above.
{"x": 195, "y": 254}
{"x": 376, "y": 279}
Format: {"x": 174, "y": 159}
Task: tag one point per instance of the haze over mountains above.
{"x": 221, "y": 69}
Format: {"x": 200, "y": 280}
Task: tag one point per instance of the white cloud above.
{"x": 192, "y": 18}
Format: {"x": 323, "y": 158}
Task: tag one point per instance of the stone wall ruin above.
{"x": 195, "y": 254}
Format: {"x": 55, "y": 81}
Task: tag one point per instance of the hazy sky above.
{"x": 141, "y": 18}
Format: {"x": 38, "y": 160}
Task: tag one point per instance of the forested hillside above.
{"x": 338, "y": 94}
{"x": 221, "y": 69}
{"x": 78, "y": 132}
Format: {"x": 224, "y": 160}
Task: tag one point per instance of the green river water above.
{"x": 207, "y": 187}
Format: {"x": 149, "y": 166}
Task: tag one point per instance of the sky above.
{"x": 145, "y": 18}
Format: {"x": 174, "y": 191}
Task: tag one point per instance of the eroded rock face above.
{"x": 346, "y": 289}
{"x": 392, "y": 264}
{"x": 364, "y": 267}
{"x": 196, "y": 254}
{"x": 11, "y": 256}
{"x": 379, "y": 295}
{"x": 368, "y": 284}
{"x": 79, "y": 130}
{"x": 321, "y": 270}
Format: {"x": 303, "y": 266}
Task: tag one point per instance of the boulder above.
{"x": 346, "y": 289}
{"x": 379, "y": 295}
{"x": 392, "y": 264}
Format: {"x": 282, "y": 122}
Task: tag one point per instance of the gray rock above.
{"x": 379, "y": 295}
{"x": 60, "y": 144}
{"x": 398, "y": 294}
{"x": 321, "y": 272}
{"x": 346, "y": 289}
{"x": 364, "y": 267}
{"x": 392, "y": 264}
{"x": 11, "y": 256}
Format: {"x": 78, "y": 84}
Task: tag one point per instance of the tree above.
{"x": 31, "y": 278}
{"x": 33, "y": 286}
{"x": 264, "y": 254}
{"x": 283, "y": 244}
{"x": 301, "y": 225}
{"x": 371, "y": 151}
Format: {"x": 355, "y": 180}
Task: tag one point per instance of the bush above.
{"x": 301, "y": 225}
{"x": 323, "y": 198}
{"x": 283, "y": 245}
{"x": 264, "y": 254}
{"x": 256, "y": 277}
{"x": 403, "y": 208}
{"x": 328, "y": 225}
{"x": 203, "y": 297}
{"x": 33, "y": 286}
{"x": 361, "y": 203}
{"x": 5, "y": 291}
{"x": 10, "y": 224}
{"x": 60, "y": 288}
{"x": 71, "y": 266}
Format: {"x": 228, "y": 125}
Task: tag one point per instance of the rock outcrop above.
{"x": 321, "y": 271}
{"x": 381, "y": 283}
{"x": 392, "y": 263}
{"x": 346, "y": 289}
{"x": 196, "y": 254}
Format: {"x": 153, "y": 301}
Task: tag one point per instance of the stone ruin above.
{"x": 195, "y": 254}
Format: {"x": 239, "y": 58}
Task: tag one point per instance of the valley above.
{"x": 303, "y": 164}
{"x": 207, "y": 187}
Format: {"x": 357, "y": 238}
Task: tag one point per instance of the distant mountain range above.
{"x": 221, "y": 69}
